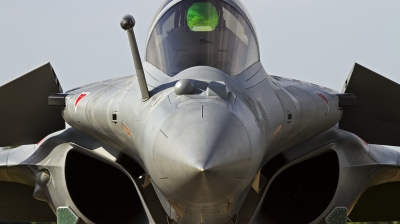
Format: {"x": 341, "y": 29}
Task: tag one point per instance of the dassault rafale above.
{"x": 201, "y": 134}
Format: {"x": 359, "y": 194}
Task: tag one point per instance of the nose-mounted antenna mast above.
{"x": 127, "y": 23}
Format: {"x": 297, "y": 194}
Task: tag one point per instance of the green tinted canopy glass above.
{"x": 202, "y": 17}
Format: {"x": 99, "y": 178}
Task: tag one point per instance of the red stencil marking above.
{"x": 79, "y": 98}
{"x": 323, "y": 97}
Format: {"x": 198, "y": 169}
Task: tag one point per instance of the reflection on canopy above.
{"x": 202, "y": 17}
{"x": 197, "y": 32}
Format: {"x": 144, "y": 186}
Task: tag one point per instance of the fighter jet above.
{"x": 201, "y": 134}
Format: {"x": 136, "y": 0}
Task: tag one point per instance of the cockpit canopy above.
{"x": 202, "y": 33}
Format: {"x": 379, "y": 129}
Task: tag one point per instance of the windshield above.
{"x": 197, "y": 32}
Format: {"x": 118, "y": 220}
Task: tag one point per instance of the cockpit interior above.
{"x": 202, "y": 33}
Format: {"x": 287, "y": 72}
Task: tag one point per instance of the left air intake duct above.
{"x": 102, "y": 192}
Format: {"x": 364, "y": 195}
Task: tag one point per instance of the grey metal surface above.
{"x": 26, "y": 161}
{"x": 199, "y": 146}
{"x": 4, "y": 157}
{"x": 25, "y": 116}
{"x": 184, "y": 86}
{"x": 162, "y": 129}
{"x": 217, "y": 89}
{"x": 359, "y": 168}
{"x": 18, "y": 155}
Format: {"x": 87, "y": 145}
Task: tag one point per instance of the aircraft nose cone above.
{"x": 202, "y": 155}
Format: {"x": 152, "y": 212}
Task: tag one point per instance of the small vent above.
{"x": 289, "y": 117}
{"x": 115, "y": 117}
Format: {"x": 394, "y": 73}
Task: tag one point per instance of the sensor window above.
{"x": 202, "y": 17}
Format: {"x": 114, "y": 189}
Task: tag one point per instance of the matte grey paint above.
{"x": 213, "y": 144}
{"x": 25, "y": 162}
{"x": 242, "y": 110}
{"x": 160, "y": 126}
{"x": 184, "y": 86}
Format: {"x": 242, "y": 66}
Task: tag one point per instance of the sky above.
{"x": 310, "y": 40}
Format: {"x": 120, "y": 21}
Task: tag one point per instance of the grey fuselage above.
{"x": 202, "y": 151}
{"x": 201, "y": 134}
